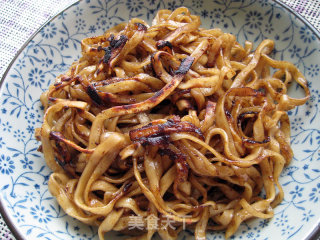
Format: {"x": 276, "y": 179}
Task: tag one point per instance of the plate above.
{"x": 26, "y": 203}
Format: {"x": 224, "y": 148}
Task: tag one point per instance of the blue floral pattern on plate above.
{"x": 23, "y": 189}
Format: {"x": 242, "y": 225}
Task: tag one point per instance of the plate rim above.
{"x": 7, "y": 219}
{"x": 14, "y": 229}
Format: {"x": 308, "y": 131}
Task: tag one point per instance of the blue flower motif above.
{"x": 297, "y": 192}
{"x": 103, "y": 22}
{"x": 3, "y": 110}
{"x": 297, "y": 123}
{"x": 30, "y": 129}
{"x": 269, "y": 28}
{"x": 315, "y": 194}
{"x": 26, "y": 163}
{"x": 30, "y": 196}
{"x": 253, "y": 19}
{"x": 36, "y": 77}
{"x": 263, "y": 3}
{"x": 263, "y": 223}
{"x": 216, "y": 236}
{"x": 313, "y": 70}
{"x": 33, "y": 116}
{"x": 295, "y": 51}
{"x": 204, "y": 13}
{"x": 19, "y": 135}
{"x": 19, "y": 217}
{"x": 217, "y": 16}
{"x": 21, "y": 63}
{"x": 306, "y": 35}
{"x": 134, "y": 5}
{"x": 314, "y": 98}
{"x": 41, "y": 214}
{"x": 2, "y": 143}
{"x": 307, "y": 216}
{"x": 49, "y": 31}
{"x": 63, "y": 43}
{"x": 172, "y": 5}
{"x": 78, "y": 11}
{"x": 6, "y": 165}
{"x": 46, "y": 62}
{"x": 83, "y": 237}
{"x": 306, "y": 166}
{"x": 286, "y": 230}
{"x": 6, "y": 127}
{"x": 250, "y": 235}
{"x": 197, "y": 3}
{"x": 80, "y": 24}
{"x": 281, "y": 220}
{"x": 92, "y": 29}
{"x": 151, "y": 2}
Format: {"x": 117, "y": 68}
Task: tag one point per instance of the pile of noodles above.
{"x": 170, "y": 120}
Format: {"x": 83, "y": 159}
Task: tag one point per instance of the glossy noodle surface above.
{"x": 169, "y": 123}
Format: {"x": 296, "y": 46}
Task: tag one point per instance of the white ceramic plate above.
{"x": 28, "y": 207}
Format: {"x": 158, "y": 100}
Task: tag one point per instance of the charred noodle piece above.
{"x": 142, "y": 106}
{"x": 46, "y": 127}
{"x": 159, "y": 134}
{"x": 63, "y": 154}
{"x": 153, "y": 194}
{"x": 170, "y": 123}
{"x": 58, "y": 137}
{"x": 225, "y": 122}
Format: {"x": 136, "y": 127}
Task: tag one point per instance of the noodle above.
{"x": 170, "y": 126}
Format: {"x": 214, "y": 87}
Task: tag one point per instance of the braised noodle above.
{"x": 170, "y": 120}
